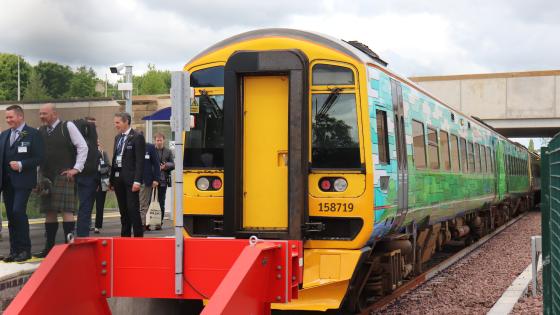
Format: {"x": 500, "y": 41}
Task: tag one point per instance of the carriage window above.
{"x": 477, "y": 158}
{"x": 382, "y": 141}
{"x": 488, "y": 160}
{"x": 464, "y": 164}
{"x": 205, "y": 141}
{"x": 209, "y": 77}
{"x": 455, "y": 154}
{"x": 444, "y": 144}
{"x": 483, "y": 159}
{"x": 418, "y": 144}
{"x": 332, "y": 75}
{"x": 471, "y": 157}
{"x": 335, "y": 131}
{"x": 433, "y": 154}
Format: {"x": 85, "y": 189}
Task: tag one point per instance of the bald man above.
{"x": 65, "y": 155}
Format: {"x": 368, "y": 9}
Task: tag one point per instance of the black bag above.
{"x": 88, "y": 131}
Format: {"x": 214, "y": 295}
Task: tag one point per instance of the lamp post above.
{"x": 18, "y": 81}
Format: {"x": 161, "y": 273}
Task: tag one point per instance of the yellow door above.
{"x": 265, "y": 152}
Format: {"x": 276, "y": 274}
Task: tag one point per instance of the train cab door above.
{"x": 402, "y": 160}
{"x": 266, "y": 144}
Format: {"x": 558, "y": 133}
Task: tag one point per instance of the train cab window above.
{"x": 382, "y": 137}
{"x": 433, "y": 150}
{"x": 464, "y": 164}
{"x": 455, "y": 154}
{"x": 205, "y": 141}
{"x": 477, "y": 162}
{"x": 444, "y": 144}
{"x": 324, "y": 74}
{"x": 418, "y": 144}
{"x": 471, "y": 157}
{"x": 209, "y": 77}
{"x": 335, "y": 131}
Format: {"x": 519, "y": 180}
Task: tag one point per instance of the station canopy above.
{"x": 161, "y": 114}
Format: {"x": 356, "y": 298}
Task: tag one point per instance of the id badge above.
{"x": 117, "y": 174}
{"x": 119, "y": 160}
{"x": 147, "y": 156}
{"x": 22, "y": 149}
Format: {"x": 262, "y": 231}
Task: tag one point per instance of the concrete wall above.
{"x": 103, "y": 111}
{"x": 501, "y": 98}
{"x": 533, "y": 94}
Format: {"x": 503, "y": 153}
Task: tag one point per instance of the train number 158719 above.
{"x": 336, "y": 207}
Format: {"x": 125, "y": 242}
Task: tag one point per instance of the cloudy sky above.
{"x": 432, "y": 37}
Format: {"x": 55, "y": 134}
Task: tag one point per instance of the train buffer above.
{"x": 235, "y": 276}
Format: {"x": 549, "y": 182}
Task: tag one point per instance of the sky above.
{"x": 416, "y": 38}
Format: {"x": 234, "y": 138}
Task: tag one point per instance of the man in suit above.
{"x": 167, "y": 164}
{"x": 151, "y": 180}
{"x": 21, "y": 151}
{"x": 127, "y": 173}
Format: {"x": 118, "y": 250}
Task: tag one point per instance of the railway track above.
{"x": 436, "y": 269}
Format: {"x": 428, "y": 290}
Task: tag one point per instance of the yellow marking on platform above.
{"x": 42, "y": 220}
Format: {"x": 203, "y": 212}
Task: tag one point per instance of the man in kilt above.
{"x": 65, "y": 154}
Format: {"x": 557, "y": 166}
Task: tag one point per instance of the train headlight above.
{"x": 340, "y": 184}
{"x": 202, "y": 183}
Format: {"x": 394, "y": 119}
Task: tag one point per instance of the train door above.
{"x": 402, "y": 159}
{"x": 265, "y": 162}
{"x": 265, "y": 101}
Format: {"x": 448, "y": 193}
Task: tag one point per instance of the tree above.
{"x": 35, "y": 88}
{"x": 531, "y": 146}
{"x": 8, "y": 76}
{"x": 152, "y": 82}
{"x": 56, "y": 77}
{"x": 82, "y": 83}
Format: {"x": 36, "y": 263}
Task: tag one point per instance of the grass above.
{"x": 33, "y": 205}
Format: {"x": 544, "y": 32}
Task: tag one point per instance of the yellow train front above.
{"x": 279, "y": 148}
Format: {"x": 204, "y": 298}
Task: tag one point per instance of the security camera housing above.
{"x": 117, "y": 68}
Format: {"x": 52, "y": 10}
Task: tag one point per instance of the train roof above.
{"x": 353, "y": 49}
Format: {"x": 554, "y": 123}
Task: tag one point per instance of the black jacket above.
{"x": 30, "y": 157}
{"x": 132, "y": 159}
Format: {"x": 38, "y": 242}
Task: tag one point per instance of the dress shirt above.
{"x": 78, "y": 141}
{"x": 18, "y": 130}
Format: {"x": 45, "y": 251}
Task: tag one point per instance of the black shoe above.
{"x": 10, "y": 258}
{"x": 23, "y": 256}
{"x": 42, "y": 254}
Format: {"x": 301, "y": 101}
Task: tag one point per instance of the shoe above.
{"x": 96, "y": 231}
{"x": 42, "y": 254}
{"x": 147, "y": 228}
{"x": 158, "y": 227}
{"x": 9, "y": 258}
{"x": 23, "y": 256}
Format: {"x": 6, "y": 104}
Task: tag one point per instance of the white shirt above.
{"x": 122, "y": 149}
{"x": 18, "y": 131}
{"x": 78, "y": 141}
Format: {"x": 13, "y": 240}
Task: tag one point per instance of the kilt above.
{"x": 62, "y": 197}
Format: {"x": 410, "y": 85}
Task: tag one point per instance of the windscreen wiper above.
{"x": 329, "y": 102}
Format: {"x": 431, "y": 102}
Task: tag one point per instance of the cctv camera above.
{"x": 117, "y": 68}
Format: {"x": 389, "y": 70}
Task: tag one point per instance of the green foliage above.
{"x": 531, "y": 147}
{"x": 8, "y": 76}
{"x": 83, "y": 83}
{"x": 152, "y": 82}
{"x": 56, "y": 77}
{"x": 35, "y": 88}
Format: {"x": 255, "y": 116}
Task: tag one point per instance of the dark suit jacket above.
{"x": 151, "y": 165}
{"x": 30, "y": 138}
{"x": 167, "y": 158}
{"x": 132, "y": 158}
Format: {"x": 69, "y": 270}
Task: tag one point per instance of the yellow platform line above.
{"x": 42, "y": 220}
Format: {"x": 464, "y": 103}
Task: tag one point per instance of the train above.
{"x": 298, "y": 135}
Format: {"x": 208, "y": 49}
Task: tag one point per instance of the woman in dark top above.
{"x": 103, "y": 173}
